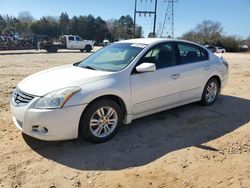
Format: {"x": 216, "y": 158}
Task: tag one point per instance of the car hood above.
{"x": 44, "y": 82}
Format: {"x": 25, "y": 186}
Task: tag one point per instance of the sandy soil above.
{"x": 189, "y": 146}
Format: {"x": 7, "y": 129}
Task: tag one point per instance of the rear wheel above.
{"x": 101, "y": 121}
{"x": 88, "y": 48}
{"x": 82, "y": 50}
{"x": 210, "y": 92}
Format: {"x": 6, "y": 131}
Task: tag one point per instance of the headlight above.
{"x": 57, "y": 98}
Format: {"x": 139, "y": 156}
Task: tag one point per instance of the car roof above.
{"x": 149, "y": 41}
{"x": 146, "y": 41}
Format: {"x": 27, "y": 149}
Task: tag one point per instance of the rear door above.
{"x": 194, "y": 65}
{"x": 155, "y": 90}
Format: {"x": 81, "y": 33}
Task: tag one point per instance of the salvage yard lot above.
{"x": 189, "y": 146}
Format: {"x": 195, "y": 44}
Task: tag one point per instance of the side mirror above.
{"x": 146, "y": 67}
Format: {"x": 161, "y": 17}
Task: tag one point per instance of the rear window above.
{"x": 190, "y": 53}
{"x": 71, "y": 38}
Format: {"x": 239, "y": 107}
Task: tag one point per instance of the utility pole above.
{"x": 169, "y": 16}
{"x": 154, "y": 34}
{"x": 154, "y": 12}
{"x": 135, "y": 17}
{"x": 172, "y": 2}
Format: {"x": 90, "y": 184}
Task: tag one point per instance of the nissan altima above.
{"x": 115, "y": 85}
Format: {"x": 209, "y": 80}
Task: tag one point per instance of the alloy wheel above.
{"x": 103, "y": 122}
{"x": 211, "y": 92}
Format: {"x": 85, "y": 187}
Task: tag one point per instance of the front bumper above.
{"x": 50, "y": 125}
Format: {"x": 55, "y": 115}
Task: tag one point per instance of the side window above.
{"x": 162, "y": 55}
{"x": 71, "y": 38}
{"x": 204, "y": 54}
{"x": 190, "y": 53}
{"x": 78, "y": 39}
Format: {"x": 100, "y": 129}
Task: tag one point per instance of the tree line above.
{"x": 87, "y": 27}
{"x": 212, "y": 33}
{"x": 97, "y": 29}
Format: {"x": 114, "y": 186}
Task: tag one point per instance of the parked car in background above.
{"x": 115, "y": 85}
{"x": 243, "y": 48}
{"x": 211, "y": 48}
{"x": 220, "y": 50}
{"x": 105, "y": 42}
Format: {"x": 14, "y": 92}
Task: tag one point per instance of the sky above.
{"x": 234, "y": 15}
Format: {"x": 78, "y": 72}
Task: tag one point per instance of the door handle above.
{"x": 207, "y": 67}
{"x": 175, "y": 76}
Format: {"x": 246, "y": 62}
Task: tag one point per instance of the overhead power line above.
{"x": 145, "y": 13}
{"x": 167, "y": 27}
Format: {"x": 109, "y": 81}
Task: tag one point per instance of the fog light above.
{"x": 40, "y": 129}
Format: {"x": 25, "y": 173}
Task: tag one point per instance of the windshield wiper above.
{"x": 77, "y": 63}
{"x": 89, "y": 67}
{"x": 86, "y": 67}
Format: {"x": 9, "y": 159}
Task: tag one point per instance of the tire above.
{"x": 102, "y": 128}
{"x": 210, "y": 92}
{"x": 88, "y": 48}
{"x": 52, "y": 50}
{"x": 82, "y": 50}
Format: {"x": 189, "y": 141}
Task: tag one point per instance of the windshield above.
{"x": 112, "y": 58}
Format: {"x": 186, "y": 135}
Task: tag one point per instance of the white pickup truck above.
{"x": 70, "y": 42}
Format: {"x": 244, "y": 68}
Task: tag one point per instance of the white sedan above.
{"x": 117, "y": 84}
{"x": 220, "y": 50}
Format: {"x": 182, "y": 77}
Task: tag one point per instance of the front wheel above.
{"x": 101, "y": 121}
{"x": 210, "y": 92}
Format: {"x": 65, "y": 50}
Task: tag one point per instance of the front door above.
{"x": 79, "y": 43}
{"x": 154, "y": 90}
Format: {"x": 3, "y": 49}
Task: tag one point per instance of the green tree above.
{"x": 82, "y": 27}
{"x": 90, "y": 28}
{"x": 25, "y": 17}
{"x": 14, "y": 25}
{"x": 101, "y": 29}
{"x": 46, "y": 26}
{"x": 123, "y": 28}
{"x": 231, "y": 43}
{"x": 3, "y": 24}
{"x": 74, "y": 26}
{"x": 64, "y": 23}
{"x": 138, "y": 31}
{"x": 191, "y": 36}
{"x": 151, "y": 35}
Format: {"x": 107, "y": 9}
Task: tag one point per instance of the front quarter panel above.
{"x": 117, "y": 85}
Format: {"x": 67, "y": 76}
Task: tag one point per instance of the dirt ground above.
{"x": 189, "y": 146}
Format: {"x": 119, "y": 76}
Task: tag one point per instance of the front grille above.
{"x": 20, "y": 98}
